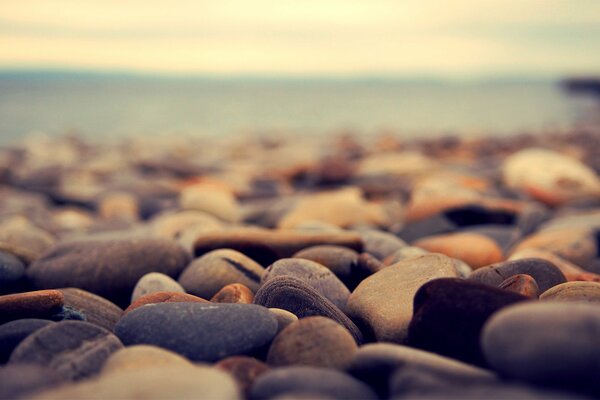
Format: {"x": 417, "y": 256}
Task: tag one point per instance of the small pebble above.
{"x": 155, "y": 282}
{"x": 234, "y": 293}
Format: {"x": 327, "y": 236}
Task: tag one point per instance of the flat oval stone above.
{"x": 93, "y": 308}
{"x": 12, "y": 333}
{"x": 266, "y": 246}
{"x": 23, "y": 380}
{"x": 450, "y": 313}
{"x": 74, "y": 349}
{"x": 142, "y": 356}
{"x": 548, "y": 343}
{"x": 311, "y": 381}
{"x": 314, "y": 341}
{"x": 200, "y": 332}
{"x": 109, "y": 268}
{"x": 340, "y": 260}
{"x": 314, "y": 274}
{"x": 179, "y": 382}
{"x": 245, "y": 370}
{"x": 155, "y": 282}
{"x": 234, "y": 293}
{"x": 164, "y": 297}
{"x": 588, "y": 292}
{"x": 36, "y": 304}
{"x": 474, "y": 249}
{"x": 295, "y": 296}
{"x": 384, "y": 301}
{"x": 545, "y": 273}
{"x": 11, "y": 270}
{"x": 205, "y": 276}
{"x": 522, "y": 284}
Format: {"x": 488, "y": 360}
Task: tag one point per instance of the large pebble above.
{"x": 588, "y": 292}
{"x": 314, "y": 274}
{"x": 109, "y": 268}
{"x": 548, "y": 343}
{"x": 201, "y": 332}
{"x": 315, "y": 341}
{"x": 93, "y": 308}
{"x": 267, "y": 246}
{"x": 384, "y": 301}
{"x": 164, "y": 297}
{"x": 205, "y": 276}
{"x": 74, "y": 349}
{"x": 310, "y": 381}
{"x": 36, "y": 304}
{"x": 295, "y": 296}
{"x": 142, "y": 356}
{"x": 449, "y": 315}
{"x": 545, "y": 273}
{"x": 12, "y": 333}
{"x": 340, "y": 260}
{"x": 155, "y": 282}
{"x": 379, "y": 243}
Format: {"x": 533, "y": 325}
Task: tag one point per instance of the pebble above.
{"x": 12, "y": 271}
{"x": 206, "y": 275}
{"x": 284, "y": 318}
{"x": 380, "y": 244}
{"x": 245, "y": 370}
{"x": 311, "y": 381}
{"x": 545, "y": 273}
{"x": 384, "y": 301}
{"x": 267, "y": 246}
{"x": 449, "y": 314}
{"x": 200, "y": 332}
{"x": 313, "y": 274}
{"x": 74, "y": 349}
{"x": 164, "y": 297}
{"x": 234, "y": 293}
{"x": 588, "y": 292}
{"x": 36, "y": 304}
{"x": 140, "y": 357}
{"x": 181, "y": 382}
{"x": 571, "y": 271}
{"x": 295, "y": 296}
{"x": 522, "y": 284}
{"x": 93, "y": 308}
{"x": 109, "y": 268}
{"x": 404, "y": 253}
{"x": 119, "y": 206}
{"x": 174, "y": 225}
{"x": 24, "y": 240}
{"x": 315, "y": 341}
{"x": 547, "y": 343}
{"x": 12, "y": 333}
{"x": 340, "y": 260}
{"x": 211, "y": 199}
{"x": 24, "y": 380}
{"x": 155, "y": 282}
{"x": 474, "y": 249}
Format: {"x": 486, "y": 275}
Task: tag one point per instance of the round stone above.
{"x": 340, "y": 260}
{"x": 384, "y": 301}
{"x": 155, "y": 282}
{"x": 109, "y": 268}
{"x": 142, "y": 356}
{"x": 379, "y": 243}
{"x": 164, "y": 297}
{"x": 588, "y": 292}
{"x": 200, "y": 332}
{"x": 12, "y": 333}
{"x": 74, "y": 349}
{"x": 205, "y": 276}
{"x": 245, "y": 370}
{"x": 548, "y": 343}
{"x": 314, "y": 341}
{"x": 315, "y": 275}
{"x": 234, "y": 293}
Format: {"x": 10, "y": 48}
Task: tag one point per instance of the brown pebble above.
{"x": 234, "y": 293}
{"x": 244, "y": 370}
{"x": 164, "y": 297}
{"x": 37, "y": 304}
{"x": 523, "y": 284}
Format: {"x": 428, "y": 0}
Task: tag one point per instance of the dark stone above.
{"x": 11, "y": 271}
{"x": 449, "y": 315}
{"x": 295, "y": 296}
{"x": 76, "y": 350}
{"x": 109, "y": 268}
{"x": 201, "y": 332}
{"x": 12, "y": 333}
{"x": 310, "y": 381}
{"x": 21, "y": 380}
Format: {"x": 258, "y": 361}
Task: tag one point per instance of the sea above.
{"x": 119, "y": 104}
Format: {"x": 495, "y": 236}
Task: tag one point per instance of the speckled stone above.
{"x": 384, "y": 301}
{"x": 12, "y": 333}
{"x": 314, "y": 341}
{"x": 292, "y": 294}
{"x": 588, "y": 292}
{"x": 314, "y": 274}
{"x": 23, "y": 380}
{"x": 267, "y": 246}
{"x": 36, "y": 304}
{"x": 76, "y": 350}
{"x": 449, "y": 314}
{"x": 93, "y": 308}
{"x": 164, "y": 297}
{"x": 200, "y": 332}
{"x": 109, "y": 268}
{"x": 205, "y": 276}
{"x": 313, "y": 381}
{"x": 245, "y": 370}
{"x": 142, "y": 356}
{"x": 155, "y": 282}
{"x": 234, "y": 293}
{"x": 522, "y": 284}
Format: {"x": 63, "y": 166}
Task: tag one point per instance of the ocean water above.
{"x": 116, "y": 105}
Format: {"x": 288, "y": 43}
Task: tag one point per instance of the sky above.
{"x": 312, "y": 37}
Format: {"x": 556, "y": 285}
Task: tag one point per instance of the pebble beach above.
{"x": 294, "y": 268}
